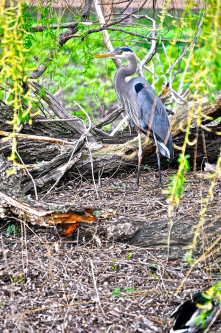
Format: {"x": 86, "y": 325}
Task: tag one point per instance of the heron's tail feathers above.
{"x": 164, "y": 150}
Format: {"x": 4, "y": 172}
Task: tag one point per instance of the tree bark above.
{"x": 154, "y": 235}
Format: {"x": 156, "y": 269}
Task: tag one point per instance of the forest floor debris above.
{"x": 85, "y": 283}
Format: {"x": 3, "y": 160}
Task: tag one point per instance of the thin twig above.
{"x": 41, "y": 28}
{"x": 119, "y": 125}
{"x": 187, "y": 63}
{"x": 204, "y": 145}
{"x": 188, "y": 48}
{"x": 152, "y": 49}
{"x": 110, "y": 117}
{"x": 92, "y": 167}
{"x": 174, "y": 93}
{"x": 168, "y": 59}
{"x": 195, "y": 149}
{"x": 95, "y": 287}
{"x": 49, "y": 120}
{"x": 89, "y": 32}
{"x": 36, "y": 138}
{"x": 89, "y": 148}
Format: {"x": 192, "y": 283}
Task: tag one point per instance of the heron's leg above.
{"x": 158, "y": 158}
{"x": 139, "y": 155}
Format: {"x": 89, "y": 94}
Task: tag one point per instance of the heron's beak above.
{"x": 105, "y": 55}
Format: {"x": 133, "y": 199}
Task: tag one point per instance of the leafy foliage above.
{"x": 198, "y": 76}
{"x": 175, "y": 189}
{"x": 118, "y": 293}
{"x": 77, "y": 76}
{"x": 12, "y": 230}
{"x": 13, "y": 63}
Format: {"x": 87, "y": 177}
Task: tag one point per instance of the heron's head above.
{"x": 119, "y": 53}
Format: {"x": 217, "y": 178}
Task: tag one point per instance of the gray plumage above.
{"x": 144, "y": 107}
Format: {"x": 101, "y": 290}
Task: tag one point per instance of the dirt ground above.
{"x": 87, "y": 283}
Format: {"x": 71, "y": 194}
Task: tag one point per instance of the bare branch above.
{"x": 86, "y": 9}
{"x": 62, "y": 39}
{"x": 188, "y": 48}
{"x": 121, "y": 123}
{"x": 185, "y": 72}
{"x": 126, "y": 7}
{"x": 127, "y": 16}
{"x": 57, "y": 108}
{"x": 35, "y": 138}
{"x": 152, "y": 49}
{"x": 41, "y": 28}
{"x": 106, "y": 27}
{"x": 98, "y": 131}
{"x": 49, "y": 120}
{"x": 110, "y": 117}
{"x": 106, "y": 37}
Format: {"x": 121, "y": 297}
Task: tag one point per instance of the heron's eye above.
{"x": 121, "y": 52}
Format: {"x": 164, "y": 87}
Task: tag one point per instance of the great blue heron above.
{"x": 194, "y": 314}
{"x": 145, "y": 109}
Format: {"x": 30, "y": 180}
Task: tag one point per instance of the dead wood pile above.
{"x": 59, "y": 149}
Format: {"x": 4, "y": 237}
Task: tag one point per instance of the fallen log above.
{"x": 33, "y": 152}
{"x": 154, "y": 235}
{"x": 119, "y": 156}
{"x": 108, "y": 156}
{"x": 13, "y": 203}
{"x": 49, "y": 128}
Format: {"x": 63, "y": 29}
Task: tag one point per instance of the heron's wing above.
{"x": 149, "y": 114}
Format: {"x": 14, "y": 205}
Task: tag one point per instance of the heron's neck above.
{"x": 122, "y": 73}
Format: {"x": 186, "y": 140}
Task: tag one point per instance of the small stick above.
{"x": 110, "y": 117}
{"x": 54, "y": 120}
{"x": 95, "y": 287}
{"x": 35, "y": 138}
{"x": 204, "y": 145}
{"x": 119, "y": 125}
{"x": 195, "y": 150}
